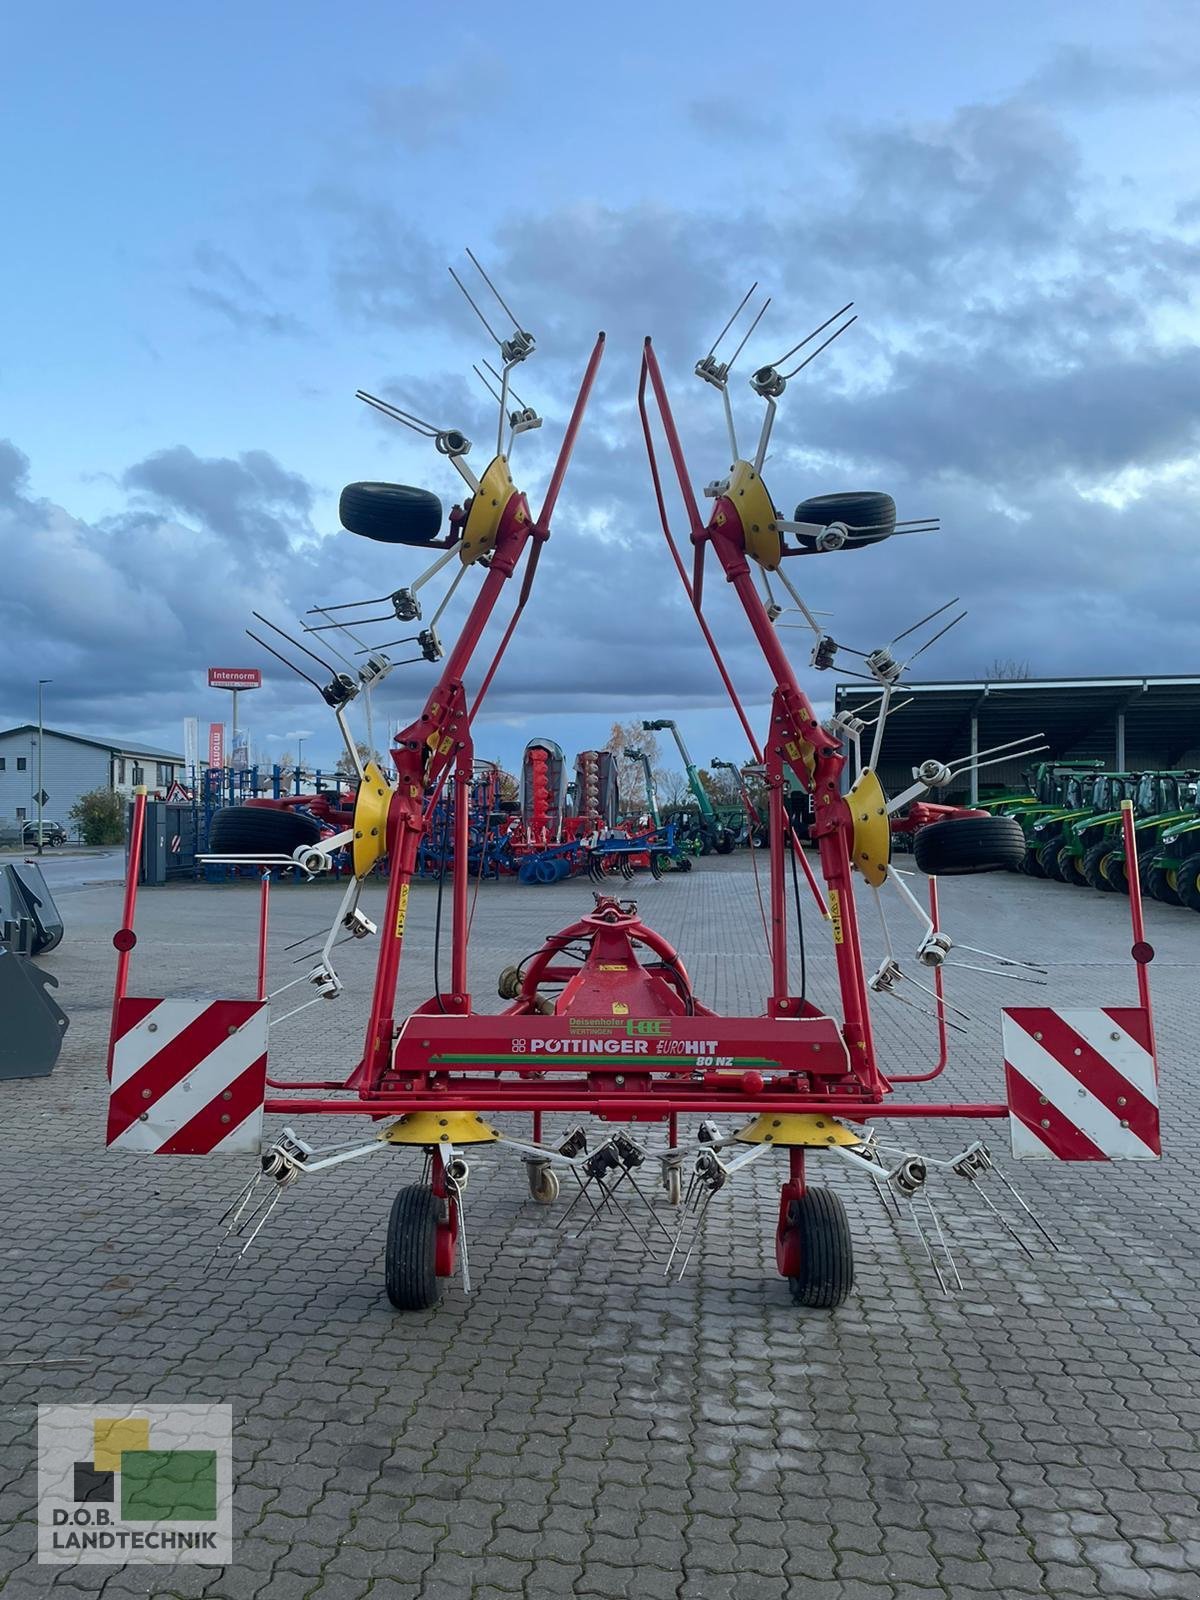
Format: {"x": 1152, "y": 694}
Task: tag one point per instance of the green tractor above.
{"x": 1053, "y": 786}
{"x": 1173, "y": 871}
{"x": 1088, "y": 844}
{"x": 1083, "y": 798}
{"x": 1175, "y": 793}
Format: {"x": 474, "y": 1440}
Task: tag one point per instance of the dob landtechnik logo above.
{"x": 147, "y": 1484}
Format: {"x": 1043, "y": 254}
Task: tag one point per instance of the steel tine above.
{"x": 299, "y": 671}
{"x": 475, "y": 308}
{"x": 1029, "y": 1211}
{"x": 417, "y": 424}
{"x": 484, "y": 381}
{"x": 824, "y": 345}
{"x": 916, "y": 1221}
{"x": 275, "y": 1199}
{"x": 939, "y": 635}
{"x": 700, "y": 1216}
{"x": 1002, "y": 1219}
{"x": 496, "y": 375}
{"x": 746, "y": 335}
{"x": 924, "y": 620}
{"x": 942, "y": 1239}
{"x": 321, "y": 662}
{"x": 348, "y": 605}
{"x": 1005, "y": 961}
{"x": 787, "y": 355}
{"x": 582, "y": 1195}
{"x": 493, "y": 288}
{"x": 713, "y": 347}
{"x": 637, "y": 1189}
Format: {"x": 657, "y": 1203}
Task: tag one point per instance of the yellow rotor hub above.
{"x": 749, "y": 495}
{"x": 439, "y": 1127}
{"x": 483, "y": 519}
{"x": 872, "y": 846}
{"x": 796, "y": 1129}
{"x": 370, "y": 819}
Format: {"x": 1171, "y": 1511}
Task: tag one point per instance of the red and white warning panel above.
{"x": 1082, "y": 1085}
{"x": 189, "y": 1076}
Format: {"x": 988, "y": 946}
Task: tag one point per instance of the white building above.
{"x": 72, "y": 765}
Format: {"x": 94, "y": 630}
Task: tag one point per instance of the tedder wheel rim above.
{"x": 826, "y": 1251}
{"x": 410, "y": 1261}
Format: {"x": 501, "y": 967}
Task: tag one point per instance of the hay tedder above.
{"x": 603, "y": 1020}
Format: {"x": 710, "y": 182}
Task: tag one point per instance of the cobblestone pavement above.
{"x": 580, "y": 1426}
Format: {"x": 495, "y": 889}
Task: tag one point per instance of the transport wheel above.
{"x": 543, "y": 1181}
{"x": 874, "y": 513}
{"x": 1187, "y": 883}
{"x": 684, "y": 864}
{"x": 673, "y": 1184}
{"x": 1048, "y": 856}
{"x": 725, "y": 843}
{"x": 410, "y": 1262}
{"x": 826, "y": 1274}
{"x": 251, "y": 830}
{"x": 1160, "y": 882}
{"x": 392, "y": 513}
{"x": 969, "y": 844}
{"x": 1092, "y": 865}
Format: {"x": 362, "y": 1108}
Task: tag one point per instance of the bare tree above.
{"x": 1015, "y": 671}
{"x": 631, "y": 776}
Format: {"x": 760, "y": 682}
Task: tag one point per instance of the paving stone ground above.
{"x": 579, "y": 1425}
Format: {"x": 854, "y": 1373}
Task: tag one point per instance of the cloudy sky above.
{"x": 224, "y": 219}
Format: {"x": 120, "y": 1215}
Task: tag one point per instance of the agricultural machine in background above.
{"x": 1089, "y": 851}
{"x": 603, "y": 1020}
{"x": 754, "y": 827}
{"x": 710, "y": 832}
{"x": 1174, "y": 795}
{"x": 1083, "y": 798}
{"x": 1174, "y": 867}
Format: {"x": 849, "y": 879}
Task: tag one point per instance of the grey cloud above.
{"x": 228, "y": 289}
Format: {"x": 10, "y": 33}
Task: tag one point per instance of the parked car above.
{"x": 52, "y": 832}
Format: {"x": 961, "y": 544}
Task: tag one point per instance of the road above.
{"x": 65, "y": 870}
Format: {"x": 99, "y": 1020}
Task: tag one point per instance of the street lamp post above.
{"x": 40, "y": 682}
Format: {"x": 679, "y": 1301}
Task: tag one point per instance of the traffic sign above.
{"x": 41, "y": 797}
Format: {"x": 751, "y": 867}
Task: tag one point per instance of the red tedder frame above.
{"x": 621, "y": 1034}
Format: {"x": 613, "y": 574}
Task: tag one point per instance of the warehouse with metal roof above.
{"x": 1131, "y": 724}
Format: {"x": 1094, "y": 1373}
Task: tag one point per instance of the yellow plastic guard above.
{"x": 795, "y": 1129}
{"x": 487, "y": 507}
{"x": 872, "y": 848}
{"x": 749, "y": 495}
{"x": 370, "y": 819}
{"x": 439, "y": 1127}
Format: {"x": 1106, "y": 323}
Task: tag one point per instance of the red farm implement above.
{"x": 603, "y": 1020}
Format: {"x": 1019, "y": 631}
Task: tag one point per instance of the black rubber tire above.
{"x": 391, "y": 513}
{"x": 826, "y": 1250}
{"x": 725, "y": 843}
{"x": 1157, "y": 885}
{"x": 1091, "y": 866}
{"x": 1187, "y": 880}
{"x": 1048, "y": 856}
{"x": 255, "y": 831}
{"x": 410, "y": 1261}
{"x": 866, "y": 509}
{"x": 683, "y": 864}
{"x": 969, "y": 844}
{"x": 1031, "y": 865}
{"x": 1068, "y": 871}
